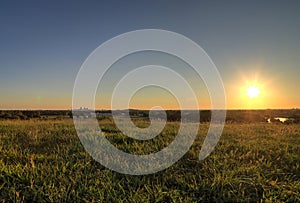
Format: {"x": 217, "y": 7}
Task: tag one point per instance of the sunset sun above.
{"x": 253, "y": 92}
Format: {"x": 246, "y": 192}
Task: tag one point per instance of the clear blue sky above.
{"x": 44, "y": 43}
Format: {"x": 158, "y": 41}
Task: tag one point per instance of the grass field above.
{"x": 45, "y": 161}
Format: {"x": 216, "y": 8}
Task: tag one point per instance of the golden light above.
{"x": 253, "y": 91}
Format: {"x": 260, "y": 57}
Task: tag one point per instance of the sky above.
{"x": 44, "y": 43}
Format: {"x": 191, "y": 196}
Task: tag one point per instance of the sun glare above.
{"x": 253, "y": 91}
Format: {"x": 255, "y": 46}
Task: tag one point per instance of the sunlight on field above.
{"x": 45, "y": 161}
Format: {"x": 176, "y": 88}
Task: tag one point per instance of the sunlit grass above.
{"x": 45, "y": 161}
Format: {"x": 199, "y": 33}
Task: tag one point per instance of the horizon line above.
{"x": 235, "y": 109}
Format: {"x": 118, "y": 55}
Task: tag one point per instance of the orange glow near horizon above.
{"x": 247, "y": 91}
{"x": 253, "y": 92}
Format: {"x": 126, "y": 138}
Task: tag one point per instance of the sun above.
{"x": 253, "y": 91}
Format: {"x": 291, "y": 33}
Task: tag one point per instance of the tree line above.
{"x": 232, "y": 116}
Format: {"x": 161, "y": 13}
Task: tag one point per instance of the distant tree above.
{"x": 173, "y": 115}
{"x": 7, "y": 115}
{"x": 22, "y": 116}
{"x": 296, "y": 118}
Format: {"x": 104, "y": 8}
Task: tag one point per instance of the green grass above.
{"x": 45, "y": 161}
